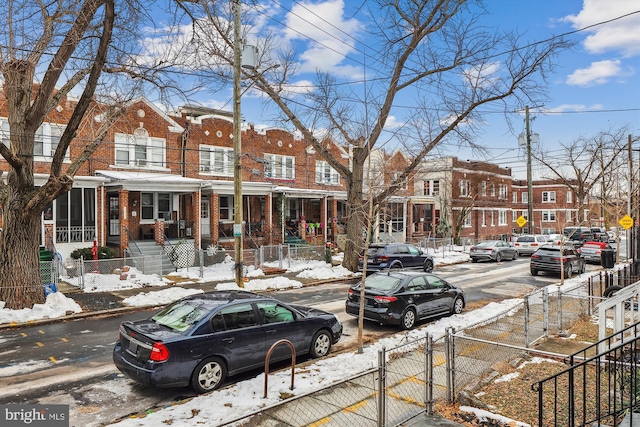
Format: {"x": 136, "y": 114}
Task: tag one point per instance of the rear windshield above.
{"x": 548, "y": 251}
{"x": 382, "y": 282}
{"x": 375, "y": 251}
{"x": 486, "y": 244}
{"x": 181, "y": 315}
{"x": 525, "y": 239}
{"x": 593, "y": 245}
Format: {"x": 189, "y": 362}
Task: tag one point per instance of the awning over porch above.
{"x": 145, "y": 181}
{"x": 304, "y": 193}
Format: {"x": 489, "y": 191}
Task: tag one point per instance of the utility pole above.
{"x": 237, "y": 149}
{"x": 529, "y": 183}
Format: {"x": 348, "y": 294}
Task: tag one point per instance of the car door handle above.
{"x": 229, "y": 339}
{"x": 271, "y": 331}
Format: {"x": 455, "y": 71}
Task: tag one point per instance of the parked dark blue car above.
{"x": 199, "y": 340}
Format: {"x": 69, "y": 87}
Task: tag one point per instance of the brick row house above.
{"x": 163, "y": 176}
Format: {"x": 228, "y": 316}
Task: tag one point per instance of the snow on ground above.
{"x": 246, "y": 396}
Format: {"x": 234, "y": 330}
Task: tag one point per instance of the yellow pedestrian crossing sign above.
{"x": 626, "y": 221}
{"x": 521, "y": 221}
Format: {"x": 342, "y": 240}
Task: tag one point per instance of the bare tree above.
{"x": 435, "y": 54}
{"x": 48, "y": 51}
{"x": 582, "y": 164}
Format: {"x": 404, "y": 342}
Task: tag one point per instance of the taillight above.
{"x": 535, "y": 256}
{"x": 534, "y": 244}
{"x": 488, "y": 249}
{"x": 385, "y": 300}
{"x": 159, "y": 352}
{"x": 517, "y": 244}
{"x": 383, "y": 258}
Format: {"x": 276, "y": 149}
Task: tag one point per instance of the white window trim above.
{"x": 551, "y": 196}
{"x": 549, "y": 214}
{"x": 277, "y": 168}
{"x": 502, "y": 217}
{"x": 154, "y": 146}
{"x": 322, "y": 170}
{"x": 226, "y": 169}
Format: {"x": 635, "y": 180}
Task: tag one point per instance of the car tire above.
{"x": 534, "y": 272}
{"x": 611, "y": 291}
{"x": 515, "y": 256}
{"x": 428, "y": 266}
{"x": 208, "y": 375}
{"x": 408, "y": 319}
{"x": 458, "y": 305}
{"x": 320, "y": 344}
{"x": 568, "y": 271}
{"x": 498, "y": 257}
{"x": 396, "y": 266}
{"x": 474, "y": 259}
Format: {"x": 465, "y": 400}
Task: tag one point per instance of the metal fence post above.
{"x": 201, "y": 256}
{"x": 545, "y": 310}
{"x": 280, "y": 256}
{"x": 449, "y": 356}
{"x": 428, "y": 373}
{"x": 559, "y": 310}
{"x": 382, "y": 387}
{"x": 527, "y": 318}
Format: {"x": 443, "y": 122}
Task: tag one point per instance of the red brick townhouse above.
{"x": 159, "y": 174}
{"x": 554, "y": 206}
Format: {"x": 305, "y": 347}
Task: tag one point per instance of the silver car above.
{"x": 493, "y": 250}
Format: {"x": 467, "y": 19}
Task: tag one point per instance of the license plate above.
{"x": 133, "y": 348}
{"x": 369, "y": 261}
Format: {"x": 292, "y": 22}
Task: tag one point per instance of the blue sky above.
{"x": 595, "y": 87}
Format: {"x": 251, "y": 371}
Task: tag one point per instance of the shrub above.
{"x": 104, "y": 252}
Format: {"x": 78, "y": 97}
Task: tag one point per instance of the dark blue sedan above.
{"x": 199, "y": 340}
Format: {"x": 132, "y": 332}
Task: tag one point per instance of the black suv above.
{"x": 578, "y": 235}
{"x": 600, "y": 234}
{"x": 382, "y": 256}
{"x": 547, "y": 258}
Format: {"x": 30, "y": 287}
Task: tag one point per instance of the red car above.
{"x": 592, "y": 251}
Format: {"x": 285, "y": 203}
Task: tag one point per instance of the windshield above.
{"x": 181, "y": 315}
{"x": 525, "y": 239}
{"x": 486, "y": 244}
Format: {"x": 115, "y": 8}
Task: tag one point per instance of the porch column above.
{"x": 214, "y": 217}
{"x": 269, "y": 212}
{"x": 409, "y": 225}
{"x": 123, "y": 201}
{"x": 433, "y": 219}
{"x": 404, "y": 220}
{"x": 323, "y": 218}
{"x": 195, "y": 209}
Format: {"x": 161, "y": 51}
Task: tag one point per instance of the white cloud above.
{"x": 562, "y": 108}
{"x": 618, "y": 36}
{"x": 483, "y": 75}
{"x": 598, "y": 73}
{"x": 328, "y": 35}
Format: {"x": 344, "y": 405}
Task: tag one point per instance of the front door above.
{"x": 205, "y": 229}
{"x": 114, "y": 216}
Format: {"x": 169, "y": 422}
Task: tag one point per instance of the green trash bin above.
{"x": 608, "y": 258}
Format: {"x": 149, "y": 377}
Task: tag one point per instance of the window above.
{"x": 46, "y": 140}
{"x": 432, "y": 188}
{"x": 569, "y": 197}
{"x": 467, "y": 220}
{"x": 483, "y": 188}
{"x": 514, "y": 197}
{"x": 492, "y": 187}
{"x": 238, "y": 316}
{"x": 226, "y": 207}
{"x": 514, "y": 216}
{"x": 216, "y": 160}
{"x": 279, "y": 167}
{"x": 139, "y": 150}
{"x": 548, "y": 216}
{"x": 502, "y": 217}
{"x": 492, "y": 218}
{"x": 568, "y": 215}
{"x": 149, "y": 202}
{"x": 325, "y": 174}
{"x": 75, "y": 214}
{"x": 464, "y": 188}
{"x": 525, "y": 197}
{"x": 502, "y": 192}
{"x": 482, "y": 217}
{"x": 548, "y": 197}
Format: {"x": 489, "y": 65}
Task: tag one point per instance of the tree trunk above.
{"x": 355, "y": 217}
{"x": 20, "y": 283}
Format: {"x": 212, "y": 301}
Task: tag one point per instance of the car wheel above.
{"x": 515, "y": 255}
{"x": 498, "y": 257}
{"x": 397, "y": 266}
{"x": 458, "y": 305}
{"x": 408, "y": 319}
{"x": 320, "y": 344}
{"x": 428, "y": 266}
{"x": 611, "y": 291}
{"x": 208, "y": 375}
{"x": 568, "y": 271}
{"x": 474, "y": 259}
{"x": 534, "y": 272}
